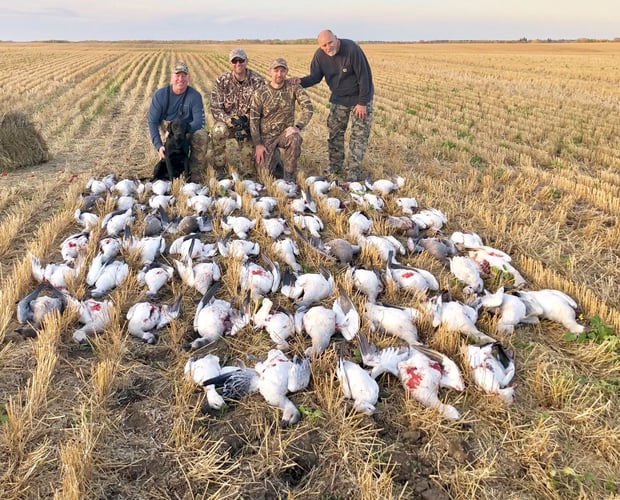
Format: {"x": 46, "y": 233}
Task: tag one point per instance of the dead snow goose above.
{"x": 114, "y": 222}
{"x": 554, "y": 305}
{"x": 200, "y": 275}
{"x": 145, "y": 319}
{"x": 94, "y": 316}
{"x": 397, "y": 321}
{"x": 215, "y": 318}
{"x": 111, "y": 275}
{"x": 456, "y": 317}
{"x": 34, "y": 307}
{"x": 273, "y": 378}
{"x": 511, "y": 310}
{"x": 154, "y": 277}
{"x": 384, "y": 187}
{"x": 240, "y": 225}
{"x": 492, "y": 369}
{"x": 358, "y": 385}
{"x": 56, "y": 274}
{"x": 421, "y": 377}
{"x": 308, "y": 288}
{"x": 287, "y": 251}
{"x": 465, "y": 270}
{"x": 73, "y": 245}
{"x": 347, "y": 317}
{"x": 205, "y": 368}
{"x": 279, "y": 324}
{"x": 411, "y": 279}
{"x": 367, "y": 281}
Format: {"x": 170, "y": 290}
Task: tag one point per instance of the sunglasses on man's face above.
{"x": 236, "y": 60}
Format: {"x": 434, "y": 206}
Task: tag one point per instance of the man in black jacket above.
{"x": 345, "y": 68}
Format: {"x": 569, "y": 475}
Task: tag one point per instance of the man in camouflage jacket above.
{"x": 272, "y": 120}
{"x": 230, "y": 107}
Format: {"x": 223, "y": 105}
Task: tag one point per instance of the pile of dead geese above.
{"x": 194, "y": 233}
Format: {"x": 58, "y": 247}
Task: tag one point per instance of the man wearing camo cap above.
{"x": 230, "y": 107}
{"x": 179, "y": 100}
{"x": 272, "y": 120}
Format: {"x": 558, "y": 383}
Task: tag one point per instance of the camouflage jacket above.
{"x": 232, "y": 98}
{"x": 273, "y": 110}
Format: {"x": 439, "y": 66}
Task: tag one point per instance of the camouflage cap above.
{"x": 181, "y": 67}
{"x": 240, "y": 53}
{"x": 278, "y": 62}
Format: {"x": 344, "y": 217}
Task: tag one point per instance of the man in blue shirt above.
{"x": 179, "y": 100}
{"x": 345, "y": 68}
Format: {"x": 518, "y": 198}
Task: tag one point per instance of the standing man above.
{"x": 349, "y": 78}
{"x": 272, "y": 120}
{"x": 179, "y": 100}
{"x": 230, "y": 107}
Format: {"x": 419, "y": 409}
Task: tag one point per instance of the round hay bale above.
{"x": 21, "y": 143}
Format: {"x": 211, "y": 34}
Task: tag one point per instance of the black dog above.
{"x": 177, "y": 147}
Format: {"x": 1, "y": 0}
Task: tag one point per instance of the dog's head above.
{"x": 178, "y": 128}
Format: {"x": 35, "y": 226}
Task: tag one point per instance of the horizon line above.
{"x": 313, "y": 40}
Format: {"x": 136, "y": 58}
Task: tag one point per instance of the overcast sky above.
{"x": 388, "y": 20}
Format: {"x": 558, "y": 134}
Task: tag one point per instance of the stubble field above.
{"x": 519, "y": 143}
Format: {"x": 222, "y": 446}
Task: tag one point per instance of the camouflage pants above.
{"x": 220, "y": 136}
{"x": 292, "y": 151}
{"x": 199, "y": 143}
{"x": 337, "y": 123}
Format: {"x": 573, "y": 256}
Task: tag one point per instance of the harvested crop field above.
{"x": 517, "y": 142}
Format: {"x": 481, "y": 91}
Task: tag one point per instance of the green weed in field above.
{"x": 609, "y": 385}
{"x": 598, "y": 332}
{"x": 112, "y": 89}
{"x": 311, "y": 414}
{"x": 477, "y": 161}
{"x": 466, "y": 135}
{"x": 554, "y": 193}
{"x": 3, "y": 414}
{"x": 568, "y": 477}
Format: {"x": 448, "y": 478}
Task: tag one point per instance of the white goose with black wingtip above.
{"x": 492, "y": 369}
{"x": 274, "y": 378}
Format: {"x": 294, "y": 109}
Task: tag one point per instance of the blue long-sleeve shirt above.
{"x": 347, "y": 74}
{"x": 193, "y": 111}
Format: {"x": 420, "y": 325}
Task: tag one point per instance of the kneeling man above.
{"x": 272, "y": 120}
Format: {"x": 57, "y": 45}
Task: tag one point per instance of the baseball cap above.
{"x": 278, "y": 62}
{"x": 240, "y": 53}
{"x": 181, "y": 67}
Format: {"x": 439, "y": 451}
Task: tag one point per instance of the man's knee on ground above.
{"x": 200, "y": 138}
{"x": 220, "y": 131}
{"x": 199, "y": 142}
{"x": 295, "y": 139}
